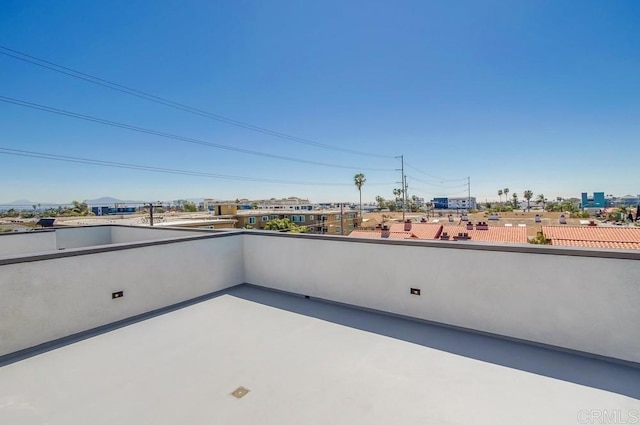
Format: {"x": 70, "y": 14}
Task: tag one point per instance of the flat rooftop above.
{"x": 304, "y": 361}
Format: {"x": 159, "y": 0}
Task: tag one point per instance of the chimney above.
{"x": 444, "y": 236}
{"x": 469, "y": 226}
{"x": 461, "y": 237}
{"x": 407, "y": 225}
{"x": 385, "y": 231}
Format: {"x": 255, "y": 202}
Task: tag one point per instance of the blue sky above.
{"x": 538, "y": 95}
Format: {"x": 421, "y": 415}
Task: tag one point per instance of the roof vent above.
{"x": 407, "y": 225}
{"x": 386, "y": 232}
{"x": 444, "y": 236}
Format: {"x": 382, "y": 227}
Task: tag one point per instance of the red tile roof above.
{"x": 493, "y": 234}
{"x": 370, "y": 234}
{"x": 402, "y": 235}
{"x": 378, "y": 235}
{"x": 596, "y": 244}
{"x": 420, "y": 230}
{"x": 592, "y": 233}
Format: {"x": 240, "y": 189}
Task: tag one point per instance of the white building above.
{"x": 465, "y": 203}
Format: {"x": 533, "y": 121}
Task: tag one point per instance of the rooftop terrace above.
{"x": 319, "y": 329}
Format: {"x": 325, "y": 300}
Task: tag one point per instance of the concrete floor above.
{"x": 305, "y": 362}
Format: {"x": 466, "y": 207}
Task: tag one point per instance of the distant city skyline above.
{"x": 295, "y": 98}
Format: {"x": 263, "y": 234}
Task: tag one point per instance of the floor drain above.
{"x": 240, "y": 392}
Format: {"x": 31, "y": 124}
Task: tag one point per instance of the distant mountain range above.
{"x": 108, "y": 200}
{"x": 105, "y": 200}
{"x": 24, "y": 204}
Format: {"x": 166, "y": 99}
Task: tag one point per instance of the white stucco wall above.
{"x": 581, "y": 303}
{"x": 78, "y": 237}
{"x": 27, "y": 242}
{"x": 124, "y": 234}
{"x": 44, "y": 300}
{"x": 585, "y": 303}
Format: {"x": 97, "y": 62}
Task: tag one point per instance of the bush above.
{"x": 580, "y": 214}
{"x": 540, "y": 240}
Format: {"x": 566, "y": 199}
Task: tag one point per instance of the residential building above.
{"x": 327, "y": 221}
{"x": 440, "y": 203}
{"x": 466, "y": 203}
{"x": 481, "y": 232}
{"x": 462, "y": 203}
{"x": 608, "y": 237}
{"x": 630, "y": 200}
{"x": 113, "y": 210}
{"x": 116, "y": 324}
{"x": 291, "y": 203}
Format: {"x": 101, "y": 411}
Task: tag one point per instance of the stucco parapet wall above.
{"x": 217, "y": 233}
{"x": 74, "y": 252}
{"x": 478, "y": 246}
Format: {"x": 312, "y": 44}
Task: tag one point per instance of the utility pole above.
{"x": 403, "y": 183}
{"x": 150, "y": 214}
{"x": 151, "y": 207}
{"x": 341, "y": 219}
{"x": 469, "y": 193}
{"x": 405, "y": 191}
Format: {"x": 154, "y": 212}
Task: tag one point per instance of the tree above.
{"x": 500, "y": 195}
{"x": 413, "y": 203}
{"x": 429, "y": 206}
{"x": 515, "y": 200}
{"x": 528, "y": 195}
{"x": 79, "y": 208}
{"x": 285, "y": 225}
{"x": 506, "y": 192}
{"x": 381, "y": 202}
{"x": 189, "y": 206}
{"x": 359, "y": 180}
{"x": 541, "y": 200}
{"x": 399, "y": 198}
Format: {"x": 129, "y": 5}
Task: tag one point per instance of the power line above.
{"x": 438, "y": 185}
{"x": 431, "y": 175}
{"x": 430, "y": 192}
{"x": 64, "y": 158}
{"x": 173, "y": 136}
{"x": 172, "y": 104}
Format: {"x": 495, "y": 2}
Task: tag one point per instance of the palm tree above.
{"x": 500, "y": 195}
{"x": 80, "y": 208}
{"x": 515, "y": 200}
{"x": 541, "y": 200}
{"x": 528, "y": 195}
{"x": 359, "y": 181}
{"x": 506, "y": 192}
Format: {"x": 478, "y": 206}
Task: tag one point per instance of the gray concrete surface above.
{"x": 304, "y": 362}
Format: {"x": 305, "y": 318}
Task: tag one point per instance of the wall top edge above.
{"x": 471, "y": 245}
{"x": 74, "y": 252}
{"x": 212, "y": 234}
